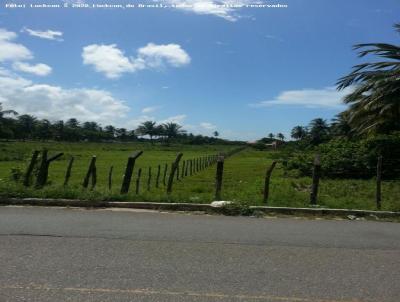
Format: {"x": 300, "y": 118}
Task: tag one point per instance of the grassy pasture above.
{"x": 243, "y": 177}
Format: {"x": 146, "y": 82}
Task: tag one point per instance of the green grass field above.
{"x": 243, "y": 177}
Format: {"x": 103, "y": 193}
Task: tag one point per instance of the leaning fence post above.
{"x": 266, "y": 181}
{"x": 29, "y": 170}
{"x": 126, "y": 182}
{"x": 183, "y": 169}
{"x": 44, "y": 168}
{"x": 138, "y": 180}
{"x": 158, "y": 175}
{"x": 218, "y": 177}
{"x": 174, "y": 166}
{"x": 89, "y": 172}
{"x": 315, "y": 180}
{"x": 177, "y": 171}
{"x": 69, "y": 169}
{"x": 165, "y": 174}
{"x": 94, "y": 176}
{"x": 379, "y": 183}
{"x": 149, "y": 180}
{"x": 110, "y": 173}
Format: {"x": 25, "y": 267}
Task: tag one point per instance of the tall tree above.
{"x": 375, "y": 101}
{"x": 43, "y": 129}
{"x": 26, "y": 126}
{"x": 299, "y": 132}
{"x": 319, "y": 130}
{"x": 149, "y": 128}
{"x": 172, "y": 130}
{"x": 280, "y": 136}
{"x": 340, "y": 125}
{"x": 6, "y": 130}
{"x": 271, "y": 136}
{"x": 216, "y": 133}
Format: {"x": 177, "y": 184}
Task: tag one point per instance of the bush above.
{"x": 352, "y": 159}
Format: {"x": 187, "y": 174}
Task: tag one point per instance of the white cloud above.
{"x": 11, "y": 51}
{"x": 107, "y": 59}
{"x": 54, "y": 102}
{"x": 208, "y": 126}
{"x": 150, "y": 109}
{"x": 327, "y": 97}
{"x": 112, "y": 62}
{"x": 45, "y": 34}
{"x": 156, "y": 56}
{"x": 178, "y": 119}
{"x": 38, "y": 69}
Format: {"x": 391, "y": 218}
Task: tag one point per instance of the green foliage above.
{"x": 352, "y": 159}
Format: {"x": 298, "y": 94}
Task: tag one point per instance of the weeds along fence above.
{"x": 165, "y": 175}
{"x": 152, "y": 177}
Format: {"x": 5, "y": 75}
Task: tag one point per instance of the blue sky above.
{"x": 244, "y": 72}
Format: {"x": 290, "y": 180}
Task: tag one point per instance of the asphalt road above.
{"x": 50, "y": 254}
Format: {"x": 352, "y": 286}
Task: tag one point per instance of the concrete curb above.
{"x": 346, "y": 213}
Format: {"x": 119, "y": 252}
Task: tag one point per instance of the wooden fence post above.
{"x": 315, "y": 180}
{"x": 191, "y": 167}
{"x": 138, "y": 180}
{"x": 89, "y": 172}
{"x": 177, "y": 172}
{"x": 165, "y": 174}
{"x": 68, "y": 172}
{"x": 126, "y": 182}
{"x": 379, "y": 183}
{"x": 94, "y": 176}
{"x": 174, "y": 166}
{"x": 29, "y": 170}
{"x": 266, "y": 181}
{"x": 44, "y": 168}
{"x": 149, "y": 180}
{"x": 183, "y": 169}
{"x": 158, "y": 175}
{"x": 218, "y": 178}
{"x": 110, "y": 173}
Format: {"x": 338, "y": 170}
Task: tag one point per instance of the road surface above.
{"x": 55, "y": 254}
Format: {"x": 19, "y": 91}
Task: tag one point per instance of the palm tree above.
{"x": 375, "y": 101}
{"x": 319, "y": 130}
{"x": 172, "y": 130}
{"x": 26, "y": 125}
{"x": 340, "y": 125}
{"x": 280, "y": 136}
{"x": 216, "y": 133}
{"x": 149, "y": 128}
{"x": 299, "y": 132}
{"x": 110, "y": 131}
{"x": 271, "y": 136}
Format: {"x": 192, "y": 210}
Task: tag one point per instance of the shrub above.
{"x": 352, "y": 159}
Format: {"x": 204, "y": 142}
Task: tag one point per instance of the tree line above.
{"x": 28, "y": 127}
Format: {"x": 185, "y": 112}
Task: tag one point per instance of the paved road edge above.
{"x": 207, "y": 208}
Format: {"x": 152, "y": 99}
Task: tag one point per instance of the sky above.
{"x": 244, "y": 72}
